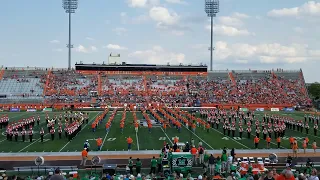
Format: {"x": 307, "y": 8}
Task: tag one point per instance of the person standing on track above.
{"x": 256, "y": 142}
{"x": 41, "y": 134}
{"x": 304, "y": 145}
{"x": 84, "y": 155}
{"x": 314, "y": 146}
{"x": 295, "y": 149}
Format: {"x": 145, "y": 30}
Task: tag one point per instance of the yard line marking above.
{"x": 166, "y": 135}
{"x": 79, "y": 132}
{"x": 104, "y": 139}
{"x": 137, "y": 141}
{"x": 231, "y": 139}
{"x": 198, "y": 136}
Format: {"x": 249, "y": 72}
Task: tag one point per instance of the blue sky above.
{"x": 253, "y": 34}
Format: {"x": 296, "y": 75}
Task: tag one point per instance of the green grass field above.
{"x": 143, "y": 140}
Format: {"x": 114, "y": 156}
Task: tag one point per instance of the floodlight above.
{"x": 212, "y": 9}
{"x": 70, "y": 7}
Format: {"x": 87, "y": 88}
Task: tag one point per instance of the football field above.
{"x": 114, "y": 140}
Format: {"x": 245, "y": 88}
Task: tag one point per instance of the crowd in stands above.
{"x": 63, "y": 86}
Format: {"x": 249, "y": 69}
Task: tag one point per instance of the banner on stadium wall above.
{"x": 31, "y": 110}
{"x": 274, "y": 109}
{"x": 47, "y": 109}
{"x": 14, "y": 109}
{"x": 243, "y": 109}
{"x": 260, "y": 109}
{"x": 288, "y": 109}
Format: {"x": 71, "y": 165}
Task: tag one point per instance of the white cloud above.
{"x": 229, "y": 31}
{"x": 236, "y": 19}
{"x": 231, "y": 25}
{"x": 83, "y": 49}
{"x": 176, "y": 1}
{"x": 158, "y": 55}
{"x": 115, "y": 47}
{"x": 89, "y": 38}
{"x": 265, "y": 53}
{"x": 55, "y": 41}
{"x": 162, "y": 15}
{"x": 142, "y": 3}
{"x": 120, "y": 31}
{"x": 310, "y": 8}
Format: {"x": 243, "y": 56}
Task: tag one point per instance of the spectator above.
{"x": 153, "y": 165}
{"x": 286, "y": 175}
{"x": 314, "y": 175}
{"x": 206, "y": 161}
{"x": 130, "y": 165}
{"x": 224, "y": 160}
{"x": 138, "y": 166}
{"x": 211, "y": 164}
{"x": 269, "y": 176}
{"x": 201, "y": 154}
{"x": 57, "y": 175}
{"x": 275, "y": 174}
{"x": 194, "y": 154}
{"x": 233, "y": 154}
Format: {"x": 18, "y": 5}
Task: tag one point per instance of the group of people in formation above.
{"x": 24, "y": 127}
{"x": 271, "y": 126}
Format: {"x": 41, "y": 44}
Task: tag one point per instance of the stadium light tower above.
{"x": 70, "y": 6}
{"x": 212, "y": 9}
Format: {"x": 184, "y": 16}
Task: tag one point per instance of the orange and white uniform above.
{"x": 314, "y": 145}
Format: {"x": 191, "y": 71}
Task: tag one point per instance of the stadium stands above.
{"x": 218, "y": 87}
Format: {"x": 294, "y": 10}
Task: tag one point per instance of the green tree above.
{"x": 314, "y": 90}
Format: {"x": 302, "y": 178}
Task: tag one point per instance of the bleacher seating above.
{"x": 227, "y": 87}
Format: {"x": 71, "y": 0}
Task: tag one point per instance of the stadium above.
{"x": 94, "y": 121}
